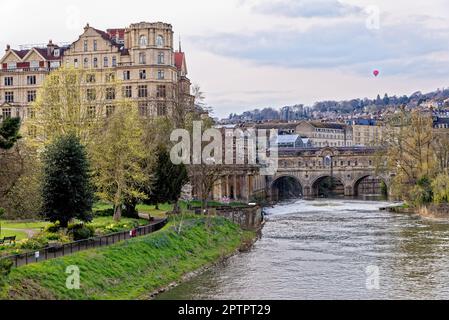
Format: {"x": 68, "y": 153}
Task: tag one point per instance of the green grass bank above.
{"x": 131, "y": 269}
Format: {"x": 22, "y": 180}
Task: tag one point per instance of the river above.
{"x": 333, "y": 249}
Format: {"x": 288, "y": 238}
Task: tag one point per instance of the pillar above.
{"x": 235, "y": 187}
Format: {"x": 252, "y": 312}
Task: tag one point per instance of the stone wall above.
{"x": 249, "y": 218}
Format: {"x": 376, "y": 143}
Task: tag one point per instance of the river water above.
{"x": 333, "y": 249}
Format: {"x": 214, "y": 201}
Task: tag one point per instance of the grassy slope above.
{"x": 132, "y": 269}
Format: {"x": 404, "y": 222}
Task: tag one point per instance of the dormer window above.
{"x": 56, "y": 53}
{"x": 143, "y": 41}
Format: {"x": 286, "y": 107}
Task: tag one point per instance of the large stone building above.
{"x": 141, "y": 58}
{"x": 323, "y": 134}
{"x": 366, "y": 132}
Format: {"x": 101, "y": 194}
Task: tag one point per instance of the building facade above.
{"x": 322, "y": 134}
{"x": 141, "y": 58}
{"x": 366, "y": 132}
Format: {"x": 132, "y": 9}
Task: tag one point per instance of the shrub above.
{"x": 53, "y": 227}
{"x": 81, "y": 231}
{"x": 104, "y": 213}
{"x": 5, "y": 269}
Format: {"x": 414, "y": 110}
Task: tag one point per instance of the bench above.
{"x": 9, "y": 240}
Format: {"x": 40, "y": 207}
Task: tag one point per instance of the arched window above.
{"x": 86, "y": 63}
{"x": 143, "y": 41}
{"x": 159, "y": 41}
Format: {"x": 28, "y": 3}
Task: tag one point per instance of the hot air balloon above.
{"x": 376, "y": 73}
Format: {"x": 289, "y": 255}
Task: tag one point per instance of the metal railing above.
{"x": 61, "y": 250}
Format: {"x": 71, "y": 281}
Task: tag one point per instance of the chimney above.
{"x": 50, "y": 48}
{"x": 8, "y": 47}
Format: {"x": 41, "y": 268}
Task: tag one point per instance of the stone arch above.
{"x": 327, "y": 186}
{"x": 370, "y": 185}
{"x": 286, "y": 186}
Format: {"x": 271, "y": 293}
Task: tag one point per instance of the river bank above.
{"x": 132, "y": 269}
{"x": 431, "y": 211}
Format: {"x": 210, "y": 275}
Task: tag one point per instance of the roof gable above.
{"x": 9, "y": 53}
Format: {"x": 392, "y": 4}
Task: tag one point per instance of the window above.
{"x": 95, "y": 45}
{"x": 143, "y": 41}
{"x": 143, "y": 109}
{"x": 110, "y": 94}
{"x": 6, "y": 113}
{"x": 114, "y": 61}
{"x": 161, "y": 110}
{"x": 160, "y": 75}
{"x": 85, "y": 45}
{"x": 9, "y": 81}
{"x": 31, "y": 96}
{"x": 90, "y": 78}
{"x": 55, "y": 64}
{"x": 75, "y": 63}
{"x": 106, "y": 62}
{"x": 109, "y": 110}
{"x": 127, "y": 92}
{"x": 160, "y": 58}
{"x": 91, "y": 111}
{"x": 142, "y": 74}
{"x": 142, "y": 58}
{"x": 31, "y": 113}
{"x": 161, "y": 92}
{"x": 159, "y": 41}
{"x": 11, "y": 65}
{"x": 91, "y": 94}
{"x": 110, "y": 77}
{"x": 142, "y": 91}
{"x": 95, "y": 62}
{"x": 126, "y": 75}
{"x": 34, "y": 64}
{"x": 56, "y": 52}
{"x": 86, "y": 63}
{"x": 9, "y": 96}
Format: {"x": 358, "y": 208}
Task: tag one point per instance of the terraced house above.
{"x": 141, "y": 58}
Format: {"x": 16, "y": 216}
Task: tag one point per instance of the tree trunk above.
{"x": 176, "y": 209}
{"x": 118, "y": 213}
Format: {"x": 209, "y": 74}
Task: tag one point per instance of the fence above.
{"x": 61, "y": 250}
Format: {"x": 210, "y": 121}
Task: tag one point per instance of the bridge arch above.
{"x": 326, "y": 186}
{"x": 370, "y": 185}
{"x": 286, "y": 187}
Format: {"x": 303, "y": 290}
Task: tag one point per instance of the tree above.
{"x": 68, "y": 103}
{"x": 67, "y": 191}
{"x": 9, "y": 133}
{"x": 119, "y": 159}
{"x": 169, "y": 179}
{"x": 440, "y": 187}
{"x": 407, "y": 150}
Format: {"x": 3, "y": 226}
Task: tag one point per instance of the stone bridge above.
{"x": 346, "y": 171}
{"x": 308, "y": 173}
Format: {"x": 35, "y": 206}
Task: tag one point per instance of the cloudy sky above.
{"x": 258, "y": 53}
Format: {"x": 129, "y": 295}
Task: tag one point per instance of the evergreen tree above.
{"x": 169, "y": 179}
{"x": 9, "y": 132}
{"x": 67, "y": 191}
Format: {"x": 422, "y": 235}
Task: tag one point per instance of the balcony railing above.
{"x": 40, "y": 69}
